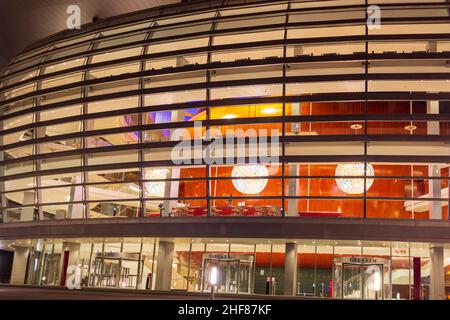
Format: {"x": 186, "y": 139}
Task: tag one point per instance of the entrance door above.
{"x": 115, "y": 273}
{"x": 228, "y": 275}
{"x": 362, "y": 281}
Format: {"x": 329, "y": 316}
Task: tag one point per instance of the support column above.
{"x": 164, "y": 267}
{"x": 437, "y": 275}
{"x": 296, "y": 127}
{"x": 20, "y": 264}
{"x": 434, "y": 185}
{"x": 292, "y": 190}
{"x": 290, "y": 269}
{"x": 27, "y": 213}
{"x": 76, "y": 194}
{"x": 433, "y": 126}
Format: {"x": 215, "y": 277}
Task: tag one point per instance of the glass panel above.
{"x": 113, "y": 104}
{"x": 113, "y": 87}
{"x": 116, "y": 55}
{"x": 113, "y": 209}
{"x": 179, "y": 61}
{"x": 175, "y": 97}
{"x": 246, "y": 54}
{"x": 177, "y": 45}
{"x": 248, "y": 37}
{"x": 60, "y": 66}
{"x": 113, "y": 71}
{"x": 101, "y": 44}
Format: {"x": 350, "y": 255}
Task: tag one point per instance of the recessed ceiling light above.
{"x": 356, "y": 126}
{"x": 410, "y": 128}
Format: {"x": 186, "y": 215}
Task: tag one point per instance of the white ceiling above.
{"x": 26, "y": 21}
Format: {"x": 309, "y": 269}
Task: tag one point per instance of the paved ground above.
{"x": 34, "y": 293}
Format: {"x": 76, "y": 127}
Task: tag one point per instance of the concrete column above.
{"x": 437, "y": 275}
{"x": 20, "y": 264}
{"x": 174, "y": 187}
{"x": 292, "y": 190}
{"x": 433, "y": 126}
{"x": 290, "y": 269}
{"x": 164, "y": 265}
{"x": 27, "y": 213}
{"x": 76, "y": 194}
{"x": 434, "y": 187}
{"x": 167, "y": 193}
{"x": 296, "y": 128}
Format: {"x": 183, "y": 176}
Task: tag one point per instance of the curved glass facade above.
{"x": 88, "y": 121}
{"x": 354, "y": 119}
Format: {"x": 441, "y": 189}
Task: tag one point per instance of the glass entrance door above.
{"x": 119, "y": 271}
{"x": 362, "y": 281}
{"x": 351, "y": 281}
{"x": 44, "y": 268}
{"x": 227, "y": 271}
{"x": 234, "y": 274}
{"x": 361, "y": 278}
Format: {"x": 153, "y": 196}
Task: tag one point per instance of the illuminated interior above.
{"x": 358, "y": 118}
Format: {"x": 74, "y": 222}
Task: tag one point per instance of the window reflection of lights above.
{"x": 353, "y": 185}
{"x": 250, "y": 186}
{"x": 155, "y": 188}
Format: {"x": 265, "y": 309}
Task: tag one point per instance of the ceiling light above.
{"x": 250, "y": 186}
{"x": 269, "y": 111}
{"x": 356, "y": 126}
{"x": 353, "y": 185}
{"x": 229, "y": 116}
{"x": 410, "y": 128}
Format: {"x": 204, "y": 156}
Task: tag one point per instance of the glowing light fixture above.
{"x": 250, "y": 186}
{"x": 269, "y": 111}
{"x": 410, "y": 127}
{"x": 155, "y": 189}
{"x": 353, "y": 185}
{"x": 356, "y": 126}
{"x": 214, "y": 276}
{"x": 230, "y": 116}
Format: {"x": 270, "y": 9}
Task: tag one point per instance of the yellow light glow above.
{"x": 269, "y": 111}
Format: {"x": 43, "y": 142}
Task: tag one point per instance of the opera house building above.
{"x": 350, "y": 199}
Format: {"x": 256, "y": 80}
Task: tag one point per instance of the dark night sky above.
{"x": 23, "y": 22}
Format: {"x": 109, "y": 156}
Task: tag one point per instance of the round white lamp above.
{"x": 353, "y": 185}
{"x": 250, "y": 186}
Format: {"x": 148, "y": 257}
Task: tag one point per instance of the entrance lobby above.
{"x": 339, "y": 269}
